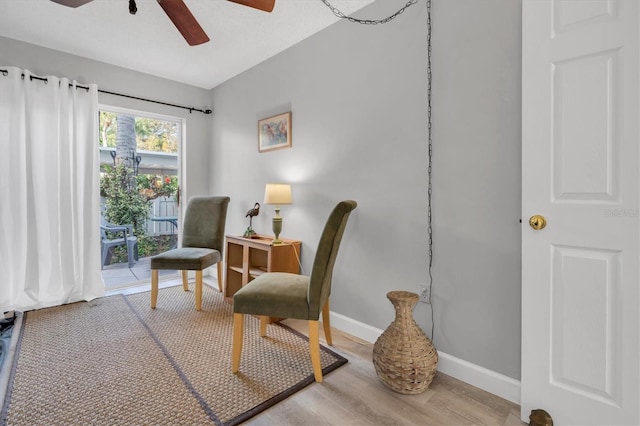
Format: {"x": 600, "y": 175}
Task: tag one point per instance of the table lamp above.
{"x": 277, "y": 194}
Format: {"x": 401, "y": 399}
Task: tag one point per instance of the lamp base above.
{"x": 276, "y": 223}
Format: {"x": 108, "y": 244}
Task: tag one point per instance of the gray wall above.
{"x": 43, "y": 61}
{"x": 358, "y": 95}
{"x": 477, "y": 49}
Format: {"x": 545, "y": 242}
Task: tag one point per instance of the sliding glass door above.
{"x": 139, "y": 192}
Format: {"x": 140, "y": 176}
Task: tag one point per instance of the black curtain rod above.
{"x": 191, "y": 109}
{"x": 78, "y": 86}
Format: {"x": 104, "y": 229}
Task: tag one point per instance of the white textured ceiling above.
{"x": 103, "y": 30}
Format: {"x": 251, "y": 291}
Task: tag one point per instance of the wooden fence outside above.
{"x": 164, "y": 208}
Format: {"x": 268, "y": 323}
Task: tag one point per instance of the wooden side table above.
{"x": 247, "y": 258}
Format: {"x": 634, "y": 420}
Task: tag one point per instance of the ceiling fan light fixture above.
{"x": 71, "y": 3}
{"x": 182, "y": 17}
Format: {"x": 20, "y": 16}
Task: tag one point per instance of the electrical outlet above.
{"x": 425, "y": 296}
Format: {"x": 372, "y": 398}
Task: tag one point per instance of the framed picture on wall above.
{"x": 274, "y": 132}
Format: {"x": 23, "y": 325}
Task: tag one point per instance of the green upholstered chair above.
{"x": 202, "y": 241}
{"x": 286, "y": 295}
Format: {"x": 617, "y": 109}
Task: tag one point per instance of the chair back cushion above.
{"x": 204, "y": 222}
{"x": 321, "y": 273}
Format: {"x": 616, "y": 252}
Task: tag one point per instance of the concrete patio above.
{"x": 119, "y": 275}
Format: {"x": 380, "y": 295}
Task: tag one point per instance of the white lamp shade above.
{"x": 277, "y": 193}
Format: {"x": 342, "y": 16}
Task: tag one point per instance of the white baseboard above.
{"x": 355, "y": 328}
{"x": 483, "y": 378}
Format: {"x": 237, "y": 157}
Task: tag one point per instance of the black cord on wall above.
{"x": 430, "y": 167}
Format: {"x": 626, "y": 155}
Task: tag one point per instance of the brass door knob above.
{"x": 537, "y": 222}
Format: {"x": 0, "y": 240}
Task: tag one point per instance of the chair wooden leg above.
{"x": 238, "y": 330}
{"x": 220, "y": 276}
{"x": 314, "y": 347}
{"x": 263, "y": 325}
{"x": 185, "y": 280}
{"x": 326, "y": 324}
{"x": 154, "y": 288}
{"x": 198, "y": 290}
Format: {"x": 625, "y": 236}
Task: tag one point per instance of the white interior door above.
{"x": 580, "y": 298}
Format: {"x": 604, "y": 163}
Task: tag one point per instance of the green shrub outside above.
{"x": 125, "y": 205}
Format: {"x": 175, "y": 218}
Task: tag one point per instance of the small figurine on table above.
{"x": 250, "y": 214}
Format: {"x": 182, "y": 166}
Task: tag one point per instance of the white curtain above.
{"x": 49, "y": 194}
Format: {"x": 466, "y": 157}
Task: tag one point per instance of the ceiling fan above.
{"x": 181, "y": 16}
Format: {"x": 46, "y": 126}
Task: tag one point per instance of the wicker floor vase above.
{"x": 404, "y": 358}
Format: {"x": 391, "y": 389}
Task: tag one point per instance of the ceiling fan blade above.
{"x": 72, "y": 3}
{"x": 184, "y": 21}
{"x": 266, "y": 5}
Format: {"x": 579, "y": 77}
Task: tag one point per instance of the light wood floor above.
{"x": 353, "y": 395}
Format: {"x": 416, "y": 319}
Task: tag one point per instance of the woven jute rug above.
{"x": 115, "y": 361}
